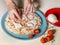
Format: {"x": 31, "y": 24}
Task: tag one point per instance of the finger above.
{"x": 31, "y": 10}
{"x": 16, "y": 14}
{"x": 25, "y": 11}
{"x": 34, "y": 10}
{"x": 20, "y": 13}
{"x": 25, "y": 8}
{"x": 28, "y": 9}
{"x": 11, "y": 17}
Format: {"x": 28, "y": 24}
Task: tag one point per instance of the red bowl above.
{"x": 55, "y": 11}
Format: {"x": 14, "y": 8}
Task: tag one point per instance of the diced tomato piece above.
{"x": 51, "y": 32}
{"x": 49, "y": 38}
{"x": 43, "y": 40}
{"x": 36, "y": 31}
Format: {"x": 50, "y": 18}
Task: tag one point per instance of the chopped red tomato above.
{"x": 36, "y": 31}
{"x": 43, "y": 40}
{"x": 49, "y": 38}
{"x": 51, "y": 32}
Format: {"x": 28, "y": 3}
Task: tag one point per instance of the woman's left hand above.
{"x": 28, "y": 7}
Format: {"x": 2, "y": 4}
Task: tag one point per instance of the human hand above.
{"x": 28, "y": 7}
{"x": 15, "y": 14}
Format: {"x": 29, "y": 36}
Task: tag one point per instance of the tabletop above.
{"x": 44, "y": 6}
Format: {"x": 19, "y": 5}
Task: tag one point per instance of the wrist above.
{"x": 8, "y": 1}
{"x": 28, "y": 0}
{"x": 10, "y": 4}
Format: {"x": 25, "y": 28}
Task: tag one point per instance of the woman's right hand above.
{"x": 16, "y": 15}
{"x": 28, "y": 7}
{"x": 14, "y": 12}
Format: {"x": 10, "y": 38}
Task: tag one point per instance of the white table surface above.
{"x": 7, "y": 40}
